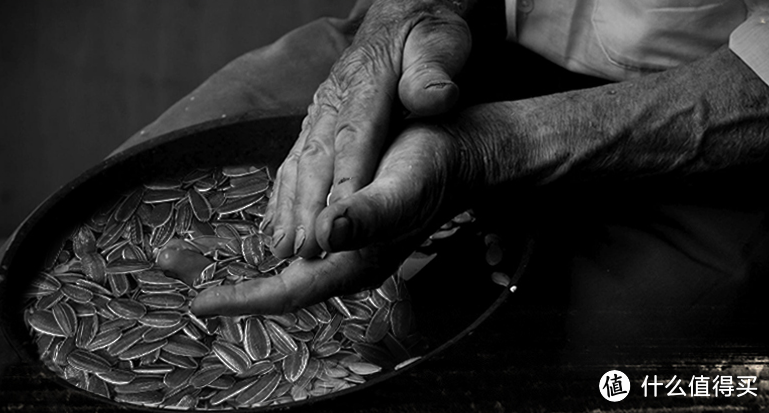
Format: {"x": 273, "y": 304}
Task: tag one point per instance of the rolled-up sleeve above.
{"x": 750, "y": 40}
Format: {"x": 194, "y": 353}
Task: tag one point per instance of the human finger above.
{"x": 316, "y": 169}
{"x": 435, "y": 51}
{"x": 278, "y": 218}
{"x": 303, "y": 283}
{"x": 405, "y": 198}
{"x": 362, "y": 125}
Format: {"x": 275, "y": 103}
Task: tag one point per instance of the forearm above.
{"x": 709, "y": 116}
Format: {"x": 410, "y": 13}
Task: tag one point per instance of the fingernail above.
{"x": 341, "y": 230}
{"x": 438, "y": 84}
{"x": 299, "y": 239}
{"x": 277, "y": 238}
{"x": 265, "y": 222}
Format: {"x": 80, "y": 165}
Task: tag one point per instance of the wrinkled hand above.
{"x": 406, "y": 50}
{"x": 423, "y": 180}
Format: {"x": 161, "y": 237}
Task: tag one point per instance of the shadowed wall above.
{"x": 79, "y": 77}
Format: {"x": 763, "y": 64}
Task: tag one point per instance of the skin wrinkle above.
{"x": 596, "y": 133}
{"x": 376, "y": 53}
{"x": 678, "y": 122}
{"x": 686, "y": 125}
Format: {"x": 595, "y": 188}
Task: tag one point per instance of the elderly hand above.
{"x": 425, "y": 177}
{"x": 404, "y": 50}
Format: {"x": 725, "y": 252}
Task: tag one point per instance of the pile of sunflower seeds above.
{"x": 109, "y": 320}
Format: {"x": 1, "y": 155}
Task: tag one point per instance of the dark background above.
{"x": 79, "y": 77}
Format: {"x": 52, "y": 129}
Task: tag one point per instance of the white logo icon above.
{"x": 614, "y": 385}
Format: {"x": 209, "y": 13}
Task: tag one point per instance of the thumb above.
{"x": 435, "y": 51}
{"x": 392, "y": 208}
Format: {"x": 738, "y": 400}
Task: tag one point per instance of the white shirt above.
{"x": 622, "y": 39}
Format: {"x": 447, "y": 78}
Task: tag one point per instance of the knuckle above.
{"x": 349, "y": 137}
{"x": 326, "y": 97}
{"x": 315, "y": 147}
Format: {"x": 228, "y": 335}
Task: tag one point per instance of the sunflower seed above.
{"x": 98, "y": 386}
{"x": 201, "y": 208}
{"x": 126, "y": 340}
{"x": 62, "y": 350}
{"x": 363, "y": 369}
{"x": 270, "y": 263}
{"x": 401, "y": 319}
{"x": 296, "y": 362}
{"x": 159, "y": 215}
{"x": 256, "y": 340}
{"x": 65, "y": 317}
{"x": 156, "y": 369}
{"x": 183, "y": 362}
{"x": 118, "y": 283}
{"x": 117, "y": 376}
{"x": 127, "y": 308}
{"x": 76, "y": 293}
{"x": 112, "y": 233}
{"x": 177, "y": 377}
{"x": 396, "y": 348}
{"x": 44, "y": 322}
{"x": 141, "y": 349}
{"x": 135, "y": 231}
{"x": 260, "y": 391}
{"x": 337, "y": 303}
{"x": 320, "y": 312}
{"x": 248, "y": 188}
{"x": 374, "y": 354}
{"x": 162, "y": 234}
{"x": 389, "y": 289}
{"x": 116, "y": 324}
{"x": 185, "y": 346}
{"x": 137, "y": 342}
{"x": 223, "y": 383}
{"x": 279, "y": 338}
{"x": 183, "y": 218}
{"x": 157, "y": 334}
{"x": 155, "y": 277}
{"x": 359, "y": 310}
{"x": 257, "y": 369}
{"x": 126, "y": 208}
{"x": 186, "y": 398}
{"x": 240, "y": 170}
{"x": 232, "y": 356}
{"x": 86, "y": 331}
{"x": 161, "y": 318}
{"x": 328, "y": 348}
{"x": 88, "y": 285}
{"x": 354, "y": 332}
{"x": 238, "y": 388}
{"x": 103, "y": 339}
{"x": 335, "y": 371}
{"x": 310, "y": 372}
{"x": 127, "y": 266}
{"x": 298, "y": 393}
{"x": 207, "y": 375}
{"x": 232, "y": 205}
{"x": 83, "y": 242}
{"x": 252, "y": 248}
{"x": 88, "y": 361}
{"x": 156, "y": 196}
